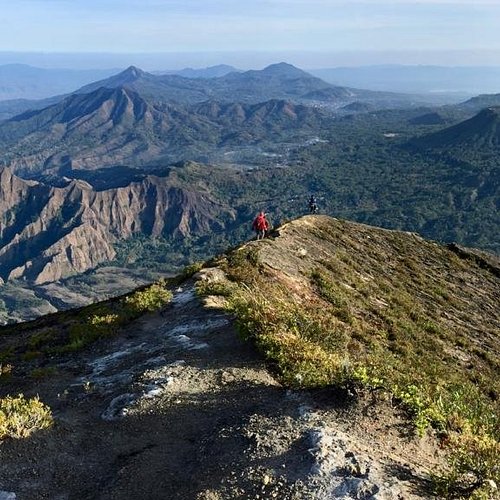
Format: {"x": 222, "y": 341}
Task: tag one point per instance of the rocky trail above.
{"x": 178, "y": 407}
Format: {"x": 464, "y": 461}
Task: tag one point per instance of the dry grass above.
{"x": 381, "y": 309}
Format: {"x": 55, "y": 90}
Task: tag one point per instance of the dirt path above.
{"x": 177, "y": 407}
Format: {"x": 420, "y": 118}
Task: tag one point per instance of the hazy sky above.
{"x": 413, "y": 31}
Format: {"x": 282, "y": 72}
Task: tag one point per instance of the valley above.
{"x": 22, "y": 301}
{"x": 130, "y": 295}
{"x": 149, "y": 172}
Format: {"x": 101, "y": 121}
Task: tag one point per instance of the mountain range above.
{"x": 135, "y": 118}
{"x": 277, "y": 81}
{"x": 210, "y": 72}
{"x": 114, "y": 147}
{"x": 21, "y": 81}
{"x": 118, "y": 126}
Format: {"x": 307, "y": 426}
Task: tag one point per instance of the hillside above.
{"x": 432, "y": 118}
{"x": 379, "y": 322}
{"x": 48, "y": 233}
{"x": 109, "y": 127}
{"x": 14, "y": 107}
{"x": 479, "y": 133}
{"x": 477, "y": 103}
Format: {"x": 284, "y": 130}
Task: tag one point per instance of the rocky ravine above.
{"x": 48, "y": 233}
{"x": 177, "y": 407}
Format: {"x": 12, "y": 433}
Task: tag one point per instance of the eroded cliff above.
{"x": 48, "y": 233}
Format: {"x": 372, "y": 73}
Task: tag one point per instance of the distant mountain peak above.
{"x": 283, "y": 68}
{"x": 479, "y": 133}
{"x": 129, "y": 76}
{"x": 132, "y": 72}
{"x": 222, "y": 66}
{"x": 209, "y": 72}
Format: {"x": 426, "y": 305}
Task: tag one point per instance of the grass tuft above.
{"x": 150, "y": 299}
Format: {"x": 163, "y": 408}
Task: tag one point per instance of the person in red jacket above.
{"x": 260, "y": 225}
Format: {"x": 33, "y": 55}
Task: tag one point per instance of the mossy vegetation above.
{"x": 149, "y": 299}
{"x": 191, "y": 269}
{"x": 218, "y": 288}
{"x": 387, "y": 310}
{"x": 72, "y": 331}
{"x": 105, "y": 319}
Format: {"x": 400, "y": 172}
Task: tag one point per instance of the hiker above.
{"x": 313, "y": 206}
{"x": 260, "y": 225}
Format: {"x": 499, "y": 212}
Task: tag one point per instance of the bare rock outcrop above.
{"x": 48, "y": 233}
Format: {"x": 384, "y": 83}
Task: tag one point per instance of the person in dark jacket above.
{"x": 313, "y": 206}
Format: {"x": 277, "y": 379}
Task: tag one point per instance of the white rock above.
{"x": 7, "y": 495}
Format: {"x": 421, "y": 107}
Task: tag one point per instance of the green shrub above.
{"x": 473, "y": 463}
{"x": 105, "y": 323}
{"x": 242, "y": 265}
{"x": 107, "y": 319}
{"x": 281, "y": 330}
{"x": 91, "y": 329}
{"x": 191, "y": 269}
{"x": 418, "y": 402}
{"x": 19, "y": 417}
{"x": 220, "y": 288}
{"x": 38, "y": 339}
{"x": 150, "y": 299}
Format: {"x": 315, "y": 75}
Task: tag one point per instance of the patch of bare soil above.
{"x": 178, "y": 407}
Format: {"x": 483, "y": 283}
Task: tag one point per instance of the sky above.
{"x": 249, "y": 33}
